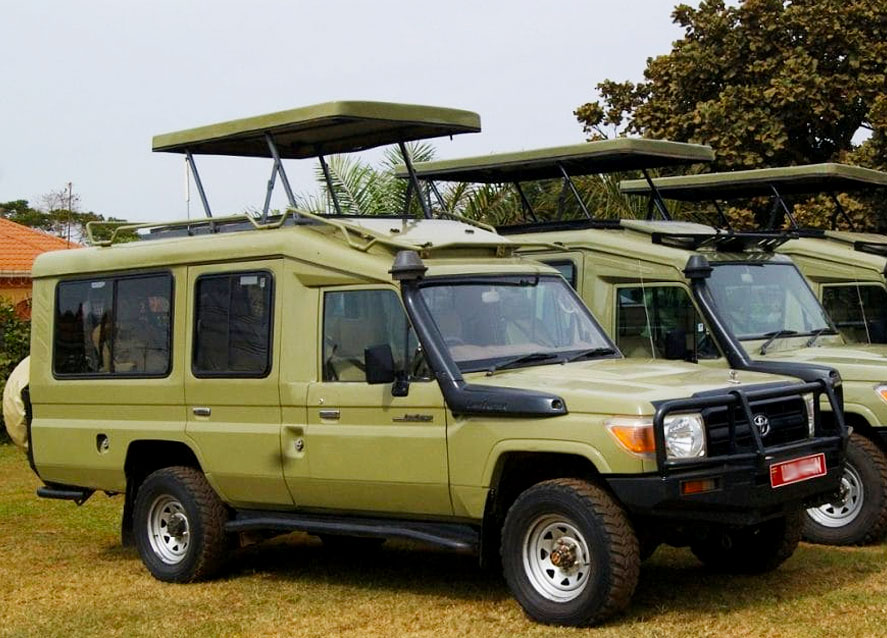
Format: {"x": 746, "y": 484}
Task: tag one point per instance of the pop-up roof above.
{"x": 606, "y": 156}
{"x": 788, "y": 180}
{"x": 316, "y": 131}
{"x": 321, "y": 129}
{"x": 564, "y": 162}
{"x": 765, "y": 182}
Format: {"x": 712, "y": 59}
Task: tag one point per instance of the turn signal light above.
{"x": 698, "y": 487}
{"x": 634, "y": 435}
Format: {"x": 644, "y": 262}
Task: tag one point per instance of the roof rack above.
{"x": 562, "y": 162}
{"x": 691, "y": 236}
{"x": 827, "y": 178}
{"x": 316, "y": 131}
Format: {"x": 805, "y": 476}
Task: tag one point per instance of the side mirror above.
{"x": 379, "y": 364}
{"x": 676, "y": 345}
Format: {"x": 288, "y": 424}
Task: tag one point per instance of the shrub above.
{"x": 15, "y": 338}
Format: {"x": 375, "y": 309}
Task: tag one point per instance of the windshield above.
{"x": 758, "y": 301}
{"x": 485, "y": 323}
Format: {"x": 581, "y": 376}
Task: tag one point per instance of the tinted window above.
{"x": 355, "y": 320}
{"x": 113, "y": 326}
{"x": 661, "y": 322}
{"x": 859, "y": 312}
{"x": 232, "y": 334}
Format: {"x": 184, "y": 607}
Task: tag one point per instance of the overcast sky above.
{"x": 87, "y": 84}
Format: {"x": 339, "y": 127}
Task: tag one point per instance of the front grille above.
{"x": 787, "y": 419}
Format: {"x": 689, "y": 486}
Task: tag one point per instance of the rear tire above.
{"x": 751, "y": 550}
{"x": 569, "y": 553}
{"x": 179, "y": 525}
{"x": 859, "y": 515}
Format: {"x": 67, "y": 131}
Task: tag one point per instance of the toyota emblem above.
{"x": 762, "y": 423}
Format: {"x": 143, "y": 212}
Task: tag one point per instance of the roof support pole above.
{"x": 721, "y": 215}
{"x": 569, "y": 182}
{"x": 329, "y": 184}
{"x": 656, "y": 196}
{"x": 190, "y": 159}
{"x": 268, "y": 192}
{"x": 414, "y": 180}
{"x": 278, "y": 166}
{"x": 407, "y": 200}
{"x": 525, "y": 202}
{"x": 839, "y": 209}
{"x": 778, "y": 202}
{"x": 432, "y": 188}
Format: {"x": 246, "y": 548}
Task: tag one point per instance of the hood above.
{"x": 623, "y": 386}
{"x": 855, "y": 362}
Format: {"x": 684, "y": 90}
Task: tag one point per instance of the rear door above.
{"x": 231, "y": 387}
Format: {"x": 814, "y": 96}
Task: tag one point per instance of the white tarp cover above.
{"x": 14, "y": 406}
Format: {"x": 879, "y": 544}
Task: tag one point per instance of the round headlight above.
{"x": 684, "y": 436}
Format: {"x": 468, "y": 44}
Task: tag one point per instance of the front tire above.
{"x": 858, "y": 516}
{"x": 569, "y": 553}
{"x": 179, "y": 525}
{"x": 751, "y": 550}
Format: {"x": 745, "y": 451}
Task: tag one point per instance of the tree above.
{"x": 54, "y": 217}
{"x": 15, "y": 336}
{"x": 765, "y": 83}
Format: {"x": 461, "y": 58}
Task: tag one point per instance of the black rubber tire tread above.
{"x": 206, "y": 514}
{"x": 870, "y": 526}
{"x": 755, "y": 550}
{"x": 620, "y": 567}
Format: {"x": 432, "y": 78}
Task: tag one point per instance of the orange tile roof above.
{"x": 20, "y": 245}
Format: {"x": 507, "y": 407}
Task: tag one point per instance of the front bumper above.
{"x": 742, "y": 496}
{"x": 742, "y": 493}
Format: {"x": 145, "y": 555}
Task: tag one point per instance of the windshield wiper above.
{"x": 774, "y": 336}
{"x": 591, "y": 352}
{"x": 816, "y": 334}
{"x": 524, "y": 358}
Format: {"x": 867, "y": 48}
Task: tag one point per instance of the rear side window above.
{"x": 232, "y": 331}
{"x": 859, "y": 312}
{"x": 567, "y": 269}
{"x": 113, "y": 326}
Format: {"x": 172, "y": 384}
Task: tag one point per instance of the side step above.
{"x": 448, "y": 535}
{"x": 77, "y": 494}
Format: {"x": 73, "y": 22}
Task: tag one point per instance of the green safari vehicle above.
{"x": 676, "y": 290}
{"x": 364, "y": 378}
{"x": 845, "y": 270}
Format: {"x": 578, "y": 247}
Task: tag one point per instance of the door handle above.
{"x": 329, "y": 414}
{"x": 201, "y": 411}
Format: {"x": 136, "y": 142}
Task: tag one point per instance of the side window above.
{"x": 567, "y": 269}
{"x": 661, "y": 322}
{"x": 115, "y": 326}
{"x": 232, "y": 329}
{"x": 859, "y": 312}
{"x": 354, "y": 320}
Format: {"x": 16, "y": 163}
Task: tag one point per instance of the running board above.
{"x": 448, "y": 535}
{"x": 77, "y": 494}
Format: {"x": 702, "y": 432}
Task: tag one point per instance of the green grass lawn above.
{"x": 64, "y": 573}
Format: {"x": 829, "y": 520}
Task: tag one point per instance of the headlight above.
{"x": 810, "y": 402}
{"x": 684, "y": 436}
{"x": 882, "y": 390}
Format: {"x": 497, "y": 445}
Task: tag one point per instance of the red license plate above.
{"x": 797, "y": 470}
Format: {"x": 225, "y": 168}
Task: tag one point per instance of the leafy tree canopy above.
{"x": 765, "y": 83}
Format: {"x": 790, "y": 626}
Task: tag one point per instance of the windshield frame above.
{"x": 830, "y": 326}
{"x": 508, "y": 279}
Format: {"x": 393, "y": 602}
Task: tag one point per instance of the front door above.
{"x": 369, "y": 450}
